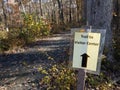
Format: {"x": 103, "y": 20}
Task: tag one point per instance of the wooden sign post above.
{"x": 81, "y": 79}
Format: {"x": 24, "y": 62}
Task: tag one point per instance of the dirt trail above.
{"x": 18, "y": 68}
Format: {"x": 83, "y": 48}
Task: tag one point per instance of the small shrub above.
{"x": 4, "y": 45}
{"x": 36, "y": 28}
{"x": 18, "y": 37}
{"x": 101, "y": 82}
{"x": 3, "y": 34}
{"x": 13, "y": 38}
{"x": 25, "y": 37}
{"x": 59, "y": 77}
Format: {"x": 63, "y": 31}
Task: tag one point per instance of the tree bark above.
{"x": 61, "y": 17}
{"x": 99, "y": 15}
{"x": 70, "y": 13}
{"x": 5, "y": 16}
{"x": 40, "y": 3}
{"x": 80, "y": 9}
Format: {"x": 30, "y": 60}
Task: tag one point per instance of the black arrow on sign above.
{"x": 84, "y": 59}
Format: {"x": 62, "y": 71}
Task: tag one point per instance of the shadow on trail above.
{"x": 40, "y": 53}
{"x": 9, "y": 60}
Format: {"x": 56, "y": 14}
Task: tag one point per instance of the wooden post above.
{"x": 81, "y": 79}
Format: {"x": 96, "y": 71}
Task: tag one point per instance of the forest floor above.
{"x": 18, "y": 66}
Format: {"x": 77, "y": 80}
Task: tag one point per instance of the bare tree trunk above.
{"x": 116, "y": 15}
{"x": 80, "y": 10}
{"x": 60, "y": 6}
{"x": 5, "y": 16}
{"x": 70, "y": 13}
{"x": 40, "y": 7}
{"x": 99, "y": 15}
{"x": 53, "y": 12}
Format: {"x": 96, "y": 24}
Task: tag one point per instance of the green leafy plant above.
{"x": 32, "y": 28}
{"x": 4, "y": 45}
{"x": 59, "y": 77}
{"x": 36, "y": 26}
{"x": 3, "y": 34}
{"x": 3, "y": 41}
{"x": 101, "y": 82}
